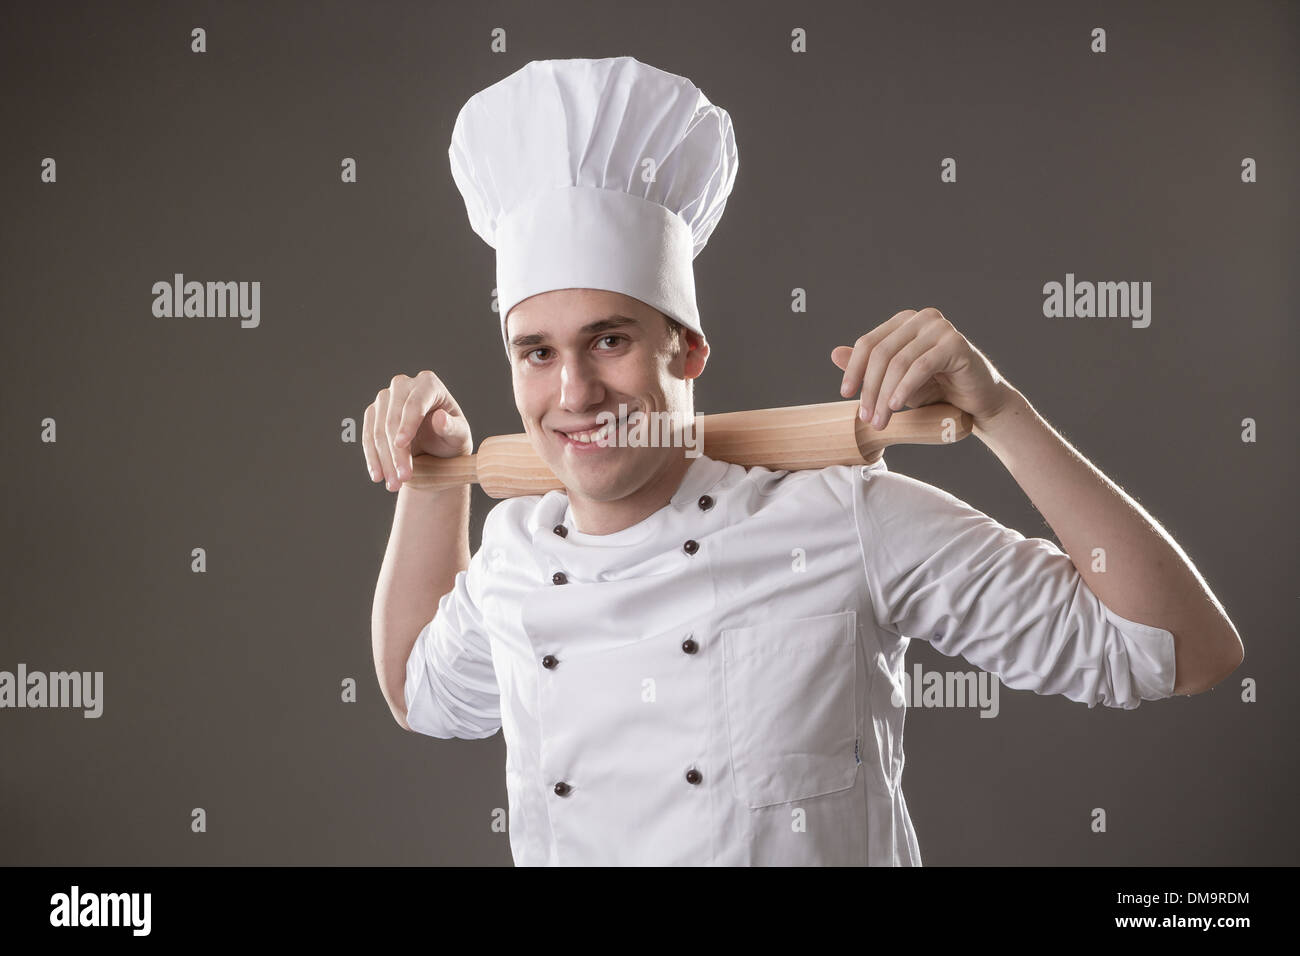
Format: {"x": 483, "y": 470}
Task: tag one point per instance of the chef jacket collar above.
{"x": 702, "y": 475}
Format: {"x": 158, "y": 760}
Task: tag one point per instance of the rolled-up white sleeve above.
{"x": 451, "y": 684}
{"x": 942, "y": 571}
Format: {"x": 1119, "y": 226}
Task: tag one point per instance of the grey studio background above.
{"x": 222, "y": 689}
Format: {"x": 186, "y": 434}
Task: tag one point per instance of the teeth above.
{"x": 588, "y": 437}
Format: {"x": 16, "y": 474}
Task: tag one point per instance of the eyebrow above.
{"x": 591, "y": 328}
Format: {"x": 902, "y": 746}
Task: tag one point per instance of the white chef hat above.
{"x": 594, "y": 174}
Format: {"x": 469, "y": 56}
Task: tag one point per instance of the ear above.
{"x": 697, "y": 352}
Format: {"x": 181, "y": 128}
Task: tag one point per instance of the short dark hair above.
{"x": 674, "y": 329}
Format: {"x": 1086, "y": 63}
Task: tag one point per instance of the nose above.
{"x": 580, "y": 386}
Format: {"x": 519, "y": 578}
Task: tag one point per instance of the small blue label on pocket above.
{"x": 856, "y": 750}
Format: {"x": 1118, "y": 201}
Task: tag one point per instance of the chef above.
{"x": 696, "y": 663}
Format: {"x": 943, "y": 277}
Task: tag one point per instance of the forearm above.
{"x": 1147, "y": 577}
{"x": 427, "y": 547}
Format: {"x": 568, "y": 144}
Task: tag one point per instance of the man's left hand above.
{"x": 915, "y": 359}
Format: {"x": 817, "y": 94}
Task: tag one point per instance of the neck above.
{"x": 607, "y": 517}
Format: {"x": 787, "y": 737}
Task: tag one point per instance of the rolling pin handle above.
{"x": 430, "y": 473}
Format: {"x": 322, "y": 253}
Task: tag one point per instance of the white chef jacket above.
{"x": 722, "y": 683}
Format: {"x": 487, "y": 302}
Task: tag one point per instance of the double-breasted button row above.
{"x": 689, "y": 646}
{"x": 690, "y": 547}
{"x": 693, "y": 777}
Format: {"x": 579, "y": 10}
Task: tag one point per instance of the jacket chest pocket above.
{"x": 791, "y": 692}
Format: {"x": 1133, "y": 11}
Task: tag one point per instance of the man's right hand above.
{"x": 412, "y": 416}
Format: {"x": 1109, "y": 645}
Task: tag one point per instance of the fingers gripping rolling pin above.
{"x": 783, "y": 439}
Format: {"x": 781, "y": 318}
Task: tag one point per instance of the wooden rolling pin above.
{"x": 782, "y": 439}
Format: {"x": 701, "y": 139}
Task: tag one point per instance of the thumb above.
{"x": 841, "y": 354}
{"x": 449, "y": 425}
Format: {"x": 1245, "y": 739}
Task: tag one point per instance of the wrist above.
{"x": 1013, "y": 407}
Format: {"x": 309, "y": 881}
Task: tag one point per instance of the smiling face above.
{"x": 578, "y": 353}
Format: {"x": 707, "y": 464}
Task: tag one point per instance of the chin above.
{"x": 607, "y": 481}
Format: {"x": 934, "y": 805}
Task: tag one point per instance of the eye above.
{"x": 618, "y": 339}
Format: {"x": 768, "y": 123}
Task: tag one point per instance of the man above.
{"x": 692, "y": 662}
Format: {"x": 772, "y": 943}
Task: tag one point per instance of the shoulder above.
{"x": 914, "y": 519}
{"x": 809, "y": 490}
{"x": 506, "y": 536}
{"x": 512, "y": 516}
{"x": 891, "y": 494}
{"x": 874, "y": 495}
